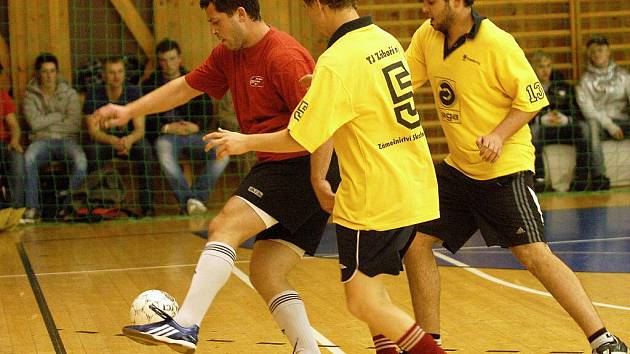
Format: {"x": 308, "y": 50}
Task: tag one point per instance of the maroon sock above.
{"x": 416, "y": 341}
{"x": 383, "y": 345}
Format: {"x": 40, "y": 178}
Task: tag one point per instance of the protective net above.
{"x": 88, "y": 38}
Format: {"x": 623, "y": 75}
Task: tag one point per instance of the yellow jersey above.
{"x": 361, "y": 96}
{"x": 475, "y": 83}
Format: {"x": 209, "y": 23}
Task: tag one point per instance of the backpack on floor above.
{"x": 100, "y": 197}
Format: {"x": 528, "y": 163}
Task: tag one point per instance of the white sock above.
{"x": 289, "y": 312}
{"x": 213, "y": 271}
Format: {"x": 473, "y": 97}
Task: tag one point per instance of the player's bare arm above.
{"x": 320, "y": 162}
{"x": 490, "y": 145}
{"x": 171, "y": 95}
{"x": 233, "y": 143}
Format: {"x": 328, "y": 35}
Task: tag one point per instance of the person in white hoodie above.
{"x": 603, "y": 93}
{"x": 53, "y": 112}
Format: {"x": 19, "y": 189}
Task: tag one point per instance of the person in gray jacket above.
{"x": 53, "y": 111}
{"x": 603, "y": 94}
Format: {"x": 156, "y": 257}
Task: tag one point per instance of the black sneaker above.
{"x": 616, "y": 347}
{"x": 600, "y": 183}
{"x": 168, "y": 332}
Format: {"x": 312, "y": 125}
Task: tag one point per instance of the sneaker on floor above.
{"x": 194, "y": 206}
{"x": 167, "y": 332}
{"x": 600, "y": 183}
{"x": 616, "y": 347}
{"x": 31, "y": 216}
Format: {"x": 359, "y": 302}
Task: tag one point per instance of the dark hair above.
{"x": 45, "y": 58}
{"x": 598, "y": 40}
{"x": 252, "y": 7}
{"x": 335, "y": 4}
{"x": 113, "y": 59}
{"x": 469, "y": 2}
{"x": 166, "y": 45}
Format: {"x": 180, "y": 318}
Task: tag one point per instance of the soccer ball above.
{"x": 142, "y": 309}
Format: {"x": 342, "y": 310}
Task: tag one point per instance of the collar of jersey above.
{"x": 470, "y": 35}
{"x": 348, "y": 27}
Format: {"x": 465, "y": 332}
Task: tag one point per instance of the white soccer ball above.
{"x": 141, "y": 311}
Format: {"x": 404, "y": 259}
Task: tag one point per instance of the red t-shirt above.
{"x": 263, "y": 80}
{"x": 7, "y": 106}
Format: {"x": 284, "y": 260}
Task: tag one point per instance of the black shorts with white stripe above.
{"x": 283, "y": 190}
{"x": 504, "y": 209}
{"x": 372, "y": 252}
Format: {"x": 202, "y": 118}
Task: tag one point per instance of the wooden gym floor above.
{"x": 68, "y": 288}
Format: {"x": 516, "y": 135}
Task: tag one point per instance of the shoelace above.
{"x": 160, "y": 313}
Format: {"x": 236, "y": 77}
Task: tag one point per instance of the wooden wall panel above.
{"x": 37, "y": 26}
{"x": 608, "y": 18}
{"x": 185, "y": 22}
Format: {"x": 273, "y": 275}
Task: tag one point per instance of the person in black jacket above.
{"x": 559, "y": 123}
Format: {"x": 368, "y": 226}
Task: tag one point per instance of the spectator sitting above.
{"x": 182, "y": 130}
{"x": 125, "y": 143}
{"x": 11, "y": 150}
{"x": 602, "y": 94}
{"x": 53, "y": 111}
{"x": 559, "y": 123}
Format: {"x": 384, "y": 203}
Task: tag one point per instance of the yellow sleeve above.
{"x": 325, "y": 107}
{"x": 518, "y": 79}
{"x": 415, "y": 58}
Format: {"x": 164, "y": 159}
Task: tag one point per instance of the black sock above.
{"x": 600, "y": 337}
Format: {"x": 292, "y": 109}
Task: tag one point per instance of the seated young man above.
{"x": 180, "y": 131}
{"x": 127, "y": 142}
{"x": 560, "y": 123}
{"x": 53, "y": 111}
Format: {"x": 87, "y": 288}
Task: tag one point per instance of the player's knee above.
{"x": 533, "y": 256}
{"x": 361, "y": 307}
{"x": 260, "y": 276}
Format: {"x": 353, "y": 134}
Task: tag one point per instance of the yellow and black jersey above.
{"x": 361, "y": 96}
{"x": 475, "y": 83}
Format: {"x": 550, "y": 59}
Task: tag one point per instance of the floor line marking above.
{"x": 508, "y": 284}
{"x": 549, "y": 243}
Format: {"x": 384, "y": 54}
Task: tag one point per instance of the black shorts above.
{"x": 283, "y": 190}
{"x": 372, "y": 252}
{"x": 505, "y": 209}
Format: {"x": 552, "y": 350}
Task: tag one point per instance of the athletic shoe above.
{"x": 31, "y": 216}
{"x": 194, "y": 206}
{"x": 616, "y": 347}
{"x": 168, "y": 332}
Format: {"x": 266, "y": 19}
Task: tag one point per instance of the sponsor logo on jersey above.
{"x": 256, "y": 81}
{"x": 467, "y": 58}
{"x": 448, "y": 102}
{"x": 299, "y": 110}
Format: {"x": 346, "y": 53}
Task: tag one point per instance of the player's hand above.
{"x": 126, "y": 142}
{"x": 325, "y": 196}
{"x": 16, "y": 146}
{"x": 555, "y": 120}
{"x": 111, "y": 115}
{"x": 305, "y": 81}
{"x": 490, "y": 147}
{"x": 615, "y": 131}
{"x": 226, "y": 143}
